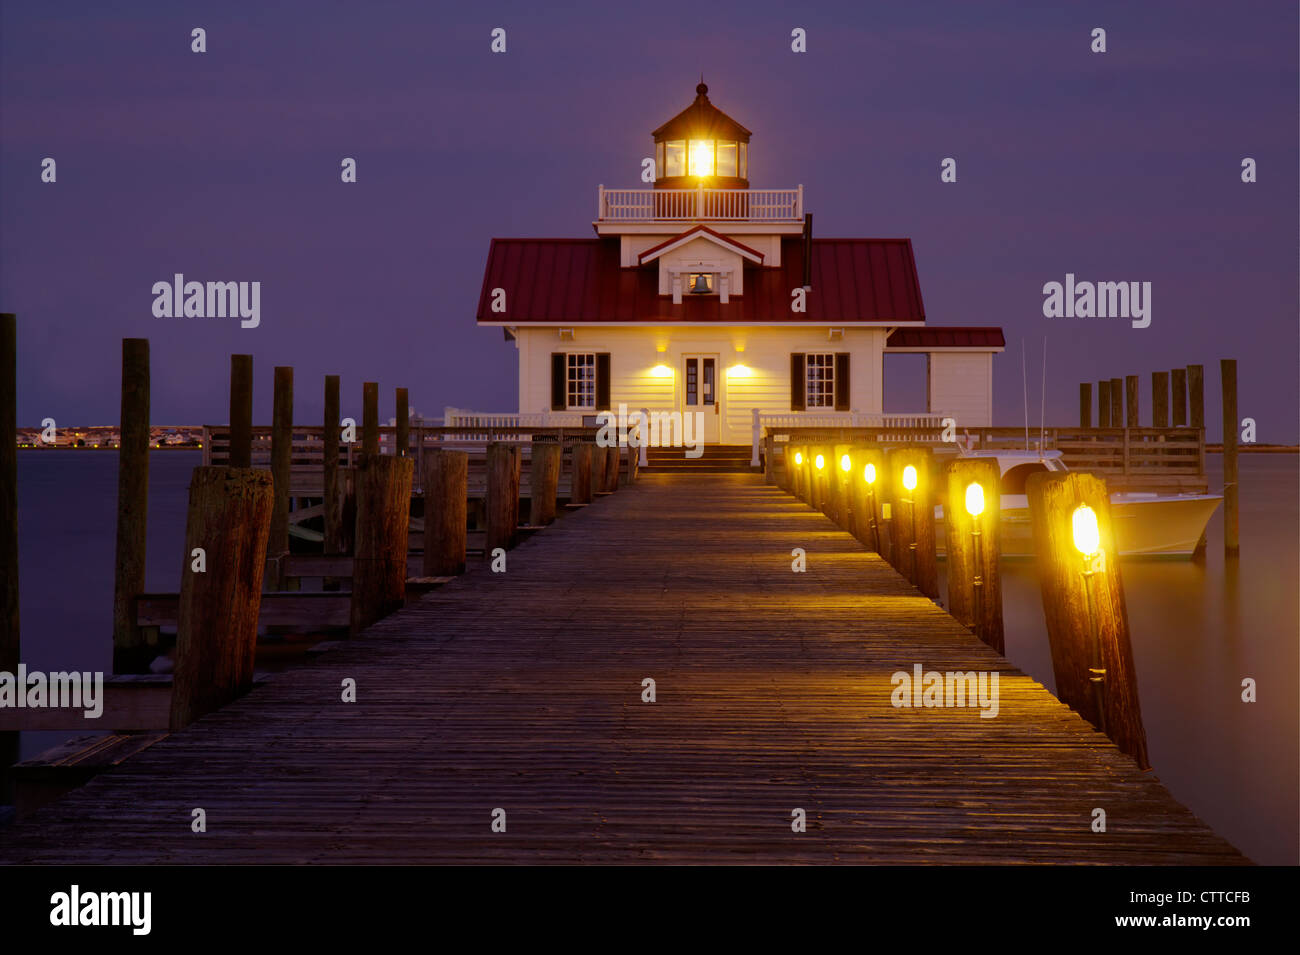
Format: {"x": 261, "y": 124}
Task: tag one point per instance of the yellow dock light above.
{"x": 869, "y": 474}
{"x": 846, "y": 463}
{"x": 820, "y": 462}
{"x": 909, "y": 478}
{"x": 798, "y": 457}
{"x": 974, "y": 499}
{"x": 1086, "y": 536}
{"x": 661, "y": 371}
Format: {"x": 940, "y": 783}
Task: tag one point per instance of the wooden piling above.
{"x": 403, "y": 446}
{"x": 1085, "y": 404}
{"x": 229, "y": 517}
{"x": 865, "y": 497}
{"x": 1178, "y": 379}
{"x": 383, "y": 519}
{"x": 502, "y": 496}
{"x": 1196, "y": 395}
{"x": 281, "y": 460}
{"x": 1132, "y": 419}
{"x": 130, "y": 653}
{"x": 580, "y": 476}
{"x": 1231, "y": 504}
{"x": 633, "y": 457}
{"x": 612, "y": 458}
{"x": 914, "y": 518}
{"x": 1083, "y": 600}
{"x": 598, "y": 469}
{"x": 838, "y": 470}
{"x": 1117, "y": 402}
{"x": 769, "y": 460}
{"x": 369, "y": 418}
{"x": 1160, "y": 399}
{"x": 10, "y": 644}
{"x": 973, "y": 549}
{"x": 817, "y": 475}
{"x": 543, "y": 481}
{"x": 793, "y": 463}
{"x": 446, "y": 494}
{"x": 1103, "y": 404}
{"x": 240, "y": 453}
{"x": 331, "y": 501}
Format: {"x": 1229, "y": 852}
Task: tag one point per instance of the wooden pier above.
{"x": 523, "y": 691}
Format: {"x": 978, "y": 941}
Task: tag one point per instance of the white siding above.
{"x": 961, "y": 385}
{"x": 765, "y": 356}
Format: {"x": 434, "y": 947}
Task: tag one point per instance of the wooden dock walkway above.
{"x": 522, "y": 691}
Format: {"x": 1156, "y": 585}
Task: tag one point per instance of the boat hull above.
{"x": 1145, "y": 525}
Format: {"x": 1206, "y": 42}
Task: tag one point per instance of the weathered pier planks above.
{"x": 523, "y": 691}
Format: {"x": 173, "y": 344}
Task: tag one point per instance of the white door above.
{"x": 700, "y": 393}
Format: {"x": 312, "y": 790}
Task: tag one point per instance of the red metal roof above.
{"x": 574, "y": 281}
{"x": 947, "y": 336}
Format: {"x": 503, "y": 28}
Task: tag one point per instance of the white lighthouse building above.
{"x": 703, "y": 294}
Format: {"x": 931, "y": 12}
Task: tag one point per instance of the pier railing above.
{"x": 673, "y": 205}
{"x": 1147, "y": 459}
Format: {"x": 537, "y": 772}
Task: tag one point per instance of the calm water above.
{"x": 1198, "y": 628}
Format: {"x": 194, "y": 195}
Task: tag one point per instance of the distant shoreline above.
{"x": 152, "y": 447}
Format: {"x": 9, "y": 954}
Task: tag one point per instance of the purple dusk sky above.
{"x": 225, "y": 166}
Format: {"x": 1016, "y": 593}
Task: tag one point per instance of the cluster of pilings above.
{"x": 886, "y": 499}
{"x": 1177, "y": 401}
{"x": 238, "y": 524}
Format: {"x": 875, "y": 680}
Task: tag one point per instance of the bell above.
{"x": 700, "y": 284}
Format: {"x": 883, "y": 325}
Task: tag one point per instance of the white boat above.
{"x": 1146, "y": 524}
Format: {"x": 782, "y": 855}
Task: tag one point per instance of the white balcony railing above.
{"x": 679, "y": 205}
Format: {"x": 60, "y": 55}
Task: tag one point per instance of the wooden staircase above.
{"x": 716, "y": 459}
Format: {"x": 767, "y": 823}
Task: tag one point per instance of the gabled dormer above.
{"x": 701, "y": 261}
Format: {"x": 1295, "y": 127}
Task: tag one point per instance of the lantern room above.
{"x": 701, "y": 146}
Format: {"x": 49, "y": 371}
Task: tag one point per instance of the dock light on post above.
{"x": 820, "y": 462}
{"x": 869, "y": 476}
{"x": 1087, "y": 541}
{"x": 909, "y": 482}
{"x": 975, "y": 507}
{"x": 798, "y": 458}
{"x": 846, "y": 462}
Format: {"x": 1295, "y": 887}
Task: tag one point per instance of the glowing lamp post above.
{"x": 820, "y": 462}
{"x": 869, "y": 476}
{"x": 909, "y": 482}
{"x": 846, "y": 463}
{"x": 975, "y": 507}
{"x": 1087, "y": 541}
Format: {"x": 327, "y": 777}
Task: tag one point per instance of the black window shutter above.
{"x": 797, "y": 383}
{"x": 559, "y": 395}
{"x": 602, "y": 381}
{"x": 842, "y": 381}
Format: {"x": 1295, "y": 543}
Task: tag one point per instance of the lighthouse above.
{"x": 703, "y": 294}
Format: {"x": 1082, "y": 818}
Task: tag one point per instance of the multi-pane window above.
{"x": 820, "y": 392}
{"x": 581, "y": 380}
